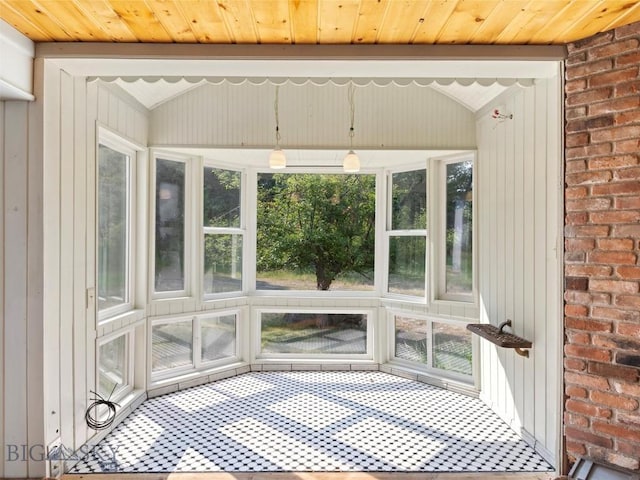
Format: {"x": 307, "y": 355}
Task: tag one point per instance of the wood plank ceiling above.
{"x": 317, "y": 21}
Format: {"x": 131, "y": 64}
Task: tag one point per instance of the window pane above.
{"x": 170, "y": 185}
{"x": 314, "y": 333}
{"x": 452, "y": 348}
{"x": 459, "y": 269}
{"x": 112, "y": 366}
{"x": 222, "y": 263}
{"x": 113, "y": 228}
{"x": 409, "y": 200}
{"x": 172, "y": 345}
{"x": 221, "y": 198}
{"x": 315, "y": 231}
{"x": 411, "y": 339}
{"x": 407, "y": 265}
{"x": 218, "y": 337}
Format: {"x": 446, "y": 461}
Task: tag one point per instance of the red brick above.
{"x": 629, "y": 88}
{"x": 576, "y": 218}
{"x": 576, "y": 420}
{"x": 615, "y": 244}
{"x": 628, "y": 300}
{"x": 614, "y": 400}
{"x": 613, "y": 106}
{"x": 589, "y": 204}
{"x": 609, "y": 370}
{"x": 588, "y": 353}
{"x": 614, "y": 314}
{"x": 575, "y": 448}
{"x": 589, "y": 325}
{"x": 613, "y": 77}
{"x": 588, "y": 270}
{"x": 622, "y": 203}
{"x": 585, "y": 408}
{"x": 628, "y": 272}
{"x": 613, "y": 286}
{"x": 576, "y": 434}
{"x": 628, "y": 59}
{"x": 633, "y": 420}
{"x": 589, "y": 151}
{"x": 613, "y": 48}
{"x": 576, "y": 125}
{"x": 586, "y": 298}
{"x": 612, "y": 216}
{"x": 576, "y": 283}
{"x": 627, "y": 146}
{"x": 587, "y": 69}
{"x": 575, "y": 112}
{"x": 630, "y": 329}
{"x": 574, "y": 257}
{"x": 589, "y": 97}
{"x": 576, "y": 392}
{"x": 579, "y": 244}
{"x": 617, "y": 431}
{"x": 620, "y": 188}
{"x": 576, "y": 85}
{"x": 603, "y": 341}
{"x": 575, "y": 166}
{"x": 632, "y": 231}
{"x": 630, "y": 451}
{"x": 625, "y": 388}
{"x": 576, "y": 310}
{"x": 575, "y": 364}
{"x": 588, "y": 178}
{"x": 625, "y": 118}
{"x": 622, "y": 461}
{"x": 575, "y": 192}
{"x": 620, "y": 258}
{"x": 612, "y": 162}
{"x": 616, "y": 133}
{"x": 586, "y": 231}
{"x": 630, "y": 30}
{"x": 627, "y": 174}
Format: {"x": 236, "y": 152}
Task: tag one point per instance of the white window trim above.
{"x": 115, "y": 142}
{"x": 189, "y": 225}
{"x": 438, "y": 226}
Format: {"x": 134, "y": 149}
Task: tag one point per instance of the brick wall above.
{"x": 602, "y": 248}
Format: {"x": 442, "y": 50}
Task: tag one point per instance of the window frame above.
{"x": 389, "y": 232}
{"x": 189, "y": 222}
{"x": 241, "y": 230}
{"x": 439, "y": 228}
{"x": 117, "y": 143}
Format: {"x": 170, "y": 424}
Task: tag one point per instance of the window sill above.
{"x": 117, "y": 322}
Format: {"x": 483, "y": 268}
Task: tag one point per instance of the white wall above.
{"x": 313, "y": 116}
{"x": 21, "y": 340}
{"x": 69, "y": 229}
{"x": 520, "y": 254}
{"x": 16, "y": 64}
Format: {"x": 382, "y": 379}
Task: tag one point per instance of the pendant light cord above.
{"x": 352, "y": 112}
{"x": 277, "y": 112}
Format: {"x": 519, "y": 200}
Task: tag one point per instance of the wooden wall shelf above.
{"x": 498, "y": 336}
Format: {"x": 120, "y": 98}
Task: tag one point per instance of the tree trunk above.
{"x": 323, "y": 280}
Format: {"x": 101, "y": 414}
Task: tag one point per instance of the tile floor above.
{"x": 312, "y": 421}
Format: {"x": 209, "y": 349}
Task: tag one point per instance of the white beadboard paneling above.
{"x": 2, "y": 275}
{"x": 519, "y": 206}
{"x": 313, "y": 116}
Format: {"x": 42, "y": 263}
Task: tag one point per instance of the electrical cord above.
{"x": 92, "y": 421}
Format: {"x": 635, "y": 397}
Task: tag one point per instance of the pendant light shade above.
{"x": 277, "y": 160}
{"x": 351, "y": 162}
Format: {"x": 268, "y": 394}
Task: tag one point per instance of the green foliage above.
{"x": 317, "y": 223}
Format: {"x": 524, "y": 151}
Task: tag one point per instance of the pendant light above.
{"x": 351, "y": 162}
{"x": 277, "y": 159}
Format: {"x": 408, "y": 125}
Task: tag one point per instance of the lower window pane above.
{"x": 218, "y": 337}
{"x": 452, "y": 348}
{"x": 407, "y": 265}
{"x": 112, "y": 366}
{"x": 411, "y": 339}
{"x": 314, "y": 333}
{"x": 172, "y": 345}
{"x": 222, "y": 263}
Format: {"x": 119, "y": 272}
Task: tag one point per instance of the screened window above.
{"x": 170, "y": 226}
{"x": 223, "y": 235}
{"x": 407, "y": 233}
{"x": 114, "y": 230}
{"x": 316, "y": 232}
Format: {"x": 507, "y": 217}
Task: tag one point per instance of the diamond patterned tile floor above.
{"x": 312, "y": 422}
